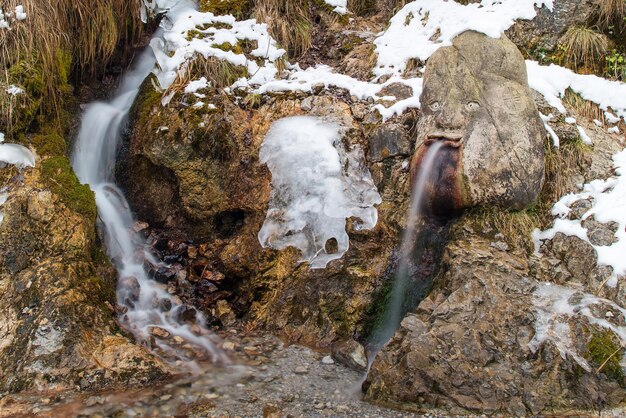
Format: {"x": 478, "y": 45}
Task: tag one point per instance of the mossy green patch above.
{"x": 60, "y": 177}
{"x": 239, "y": 8}
{"x": 604, "y": 347}
{"x": 50, "y": 145}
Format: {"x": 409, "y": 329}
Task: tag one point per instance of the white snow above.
{"x": 196, "y": 85}
{"x": 555, "y": 305}
{"x": 613, "y": 130}
{"x": 19, "y": 12}
{"x": 570, "y": 120}
{"x": 609, "y": 205}
{"x": 178, "y": 47}
{"x": 556, "y": 141}
{"x": 14, "y": 90}
{"x": 316, "y": 185}
{"x": 340, "y": 6}
{"x": 3, "y": 199}
{"x": 583, "y": 135}
{"x": 422, "y": 27}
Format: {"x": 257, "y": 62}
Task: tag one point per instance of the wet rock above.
{"x": 159, "y": 332}
{"x": 187, "y": 314}
{"x": 51, "y": 271}
{"x": 351, "y": 354}
{"x": 388, "y": 141}
{"x": 164, "y": 275}
{"x": 600, "y": 233}
{"x": 224, "y": 313}
{"x": 473, "y": 351}
{"x": 488, "y": 123}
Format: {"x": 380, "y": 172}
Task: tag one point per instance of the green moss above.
{"x": 227, "y": 46}
{"x": 238, "y": 8}
{"x": 602, "y": 345}
{"x": 60, "y": 177}
{"x": 350, "y": 43}
{"x": 52, "y": 144}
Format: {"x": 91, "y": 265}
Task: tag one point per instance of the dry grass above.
{"x": 584, "y": 49}
{"x": 362, "y": 7}
{"x": 289, "y": 22}
{"x": 58, "y": 37}
{"x": 611, "y": 14}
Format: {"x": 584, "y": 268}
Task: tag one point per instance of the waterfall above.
{"x": 146, "y": 304}
{"x": 396, "y": 302}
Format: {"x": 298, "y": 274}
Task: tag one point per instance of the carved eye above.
{"x": 472, "y": 106}
{"x": 435, "y": 106}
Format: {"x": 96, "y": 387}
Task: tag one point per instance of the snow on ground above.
{"x": 316, "y": 185}
{"x": 7, "y": 17}
{"x": 422, "y": 27}
{"x": 555, "y": 305}
{"x": 609, "y": 205}
{"x": 340, "y": 6}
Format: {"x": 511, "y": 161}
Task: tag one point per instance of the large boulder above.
{"x": 57, "y": 290}
{"x": 492, "y": 339}
{"x": 476, "y": 101}
{"x": 195, "y": 176}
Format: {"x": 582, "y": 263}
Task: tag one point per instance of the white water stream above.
{"x": 146, "y": 302}
{"x": 394, "y": 311}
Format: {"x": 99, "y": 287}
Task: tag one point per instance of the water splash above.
{"x": 397, "y": 301}
{"x": 147, "y": 304}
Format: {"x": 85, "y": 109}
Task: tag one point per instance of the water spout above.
{"x": 397, "y": 300}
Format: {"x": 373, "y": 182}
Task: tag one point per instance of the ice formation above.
{"x": 609, "y": 204}
{"x": 15, "y": 154}
{"x": 316, "y": 185}
{"x": 555, "y": 305}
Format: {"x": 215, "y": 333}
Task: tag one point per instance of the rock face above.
{"x": 201, "y": 184}
{"x": 477, "y": 101}
{"x": 476, "y": 343}
{"x": 57, "y": 328}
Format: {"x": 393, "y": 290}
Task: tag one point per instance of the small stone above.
{"x": 140, "y": 226}
{"x": 500, "y": 246}
{"x": 159, "y": 332}
{"x": 211, "y": 396}
{"x": 166, "y": 397}
{"x": 252, "y": 351}
{"x": 301, "y": 370}
{"x": 609, "y": 314}
{"x": 328, "y": 360}
{"x": 192, "y": 252}
{"x": 228, "y": 346}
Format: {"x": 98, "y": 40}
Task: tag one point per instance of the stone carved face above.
{"x": 477, "y": 101}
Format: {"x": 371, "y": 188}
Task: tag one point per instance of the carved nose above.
{"x": 450, "y": 117}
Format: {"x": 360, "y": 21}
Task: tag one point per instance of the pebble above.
{"x": 301, "y": 370}
{"x": 228, "y": 346}
{"x": 328, "y": 360}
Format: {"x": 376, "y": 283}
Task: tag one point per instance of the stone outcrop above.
{"x": 198, "y": 182}
{"x": 57, "y": 290}
{"x": 476, "y": 100}
{"x": 472, "y": 344}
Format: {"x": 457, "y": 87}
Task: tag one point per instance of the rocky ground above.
{"x": 267, "y": 379}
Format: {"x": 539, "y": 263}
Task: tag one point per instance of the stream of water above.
{"x": 147, "y": 304}
{"x": 396, "y": 303}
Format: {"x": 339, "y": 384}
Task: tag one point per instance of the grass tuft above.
{"x": 584, "y": 49}
{"x": 611, "y": 14}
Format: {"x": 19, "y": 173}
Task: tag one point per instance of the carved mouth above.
{"x": 452, "y": 140}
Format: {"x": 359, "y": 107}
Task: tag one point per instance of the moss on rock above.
{"x": 62, "y": 181}
{"x": 604, "y": 350}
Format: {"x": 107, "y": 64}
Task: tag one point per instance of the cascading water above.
{"x": 396, "y": 303}
{"x": 146, "y": 303}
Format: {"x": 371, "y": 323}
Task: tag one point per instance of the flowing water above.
{"x": 146, "y": 303}
{"x": 396, "y": 305}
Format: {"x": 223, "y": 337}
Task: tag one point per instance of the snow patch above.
{"x": 555, "y": 305}
{"x": 608, "y": 205}
{"x": 15, "y": 154}
{"x": 340, "y": 6}
{"x": 422, "y": 27}
{"x": 316, "y": 185}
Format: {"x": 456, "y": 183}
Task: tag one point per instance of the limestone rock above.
{"x": 476, "y": 100}
{"x": 57, "y": 328}
{"x": 473, "y": 351}
{"x": 351, "y": 354}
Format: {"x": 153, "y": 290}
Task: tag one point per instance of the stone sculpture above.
{"x": 476, "y": 98}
